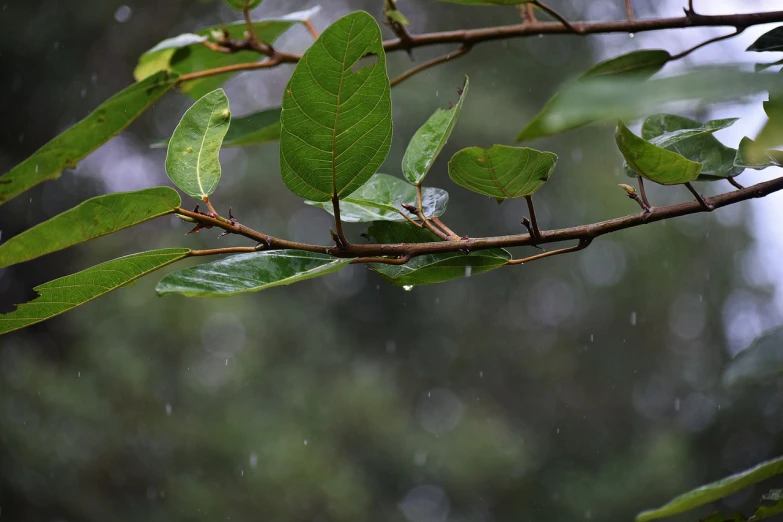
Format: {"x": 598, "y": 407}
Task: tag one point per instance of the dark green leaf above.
{"x": 430, "y": 139}
{"x": 694, "y": 141}
{"x": 769, "y": 41}
{"x": 67, "y": 149}
{"x": 760, "y": 361}
{"x": 336, "y": 121}
{"x": 66, "y": 293}
{"x": 433, "y": 268}
{"x": 240, "y": 5}
{"x": 654, "y": 163}
{"x": 639, "y": 65}
{"x": 750, "y": 155}
{"x": 764, "y": 66}
{"x": 381, "y": 199}
{"x": 500, "y": 171}
{"x": 715, "y": 490}
{"x": 94, "y": 218}
{"x": 253, "y": 129}
{"x": 249, "y": 273}
{"x": 765, "y": 511}
{"x": 192, "y": 160}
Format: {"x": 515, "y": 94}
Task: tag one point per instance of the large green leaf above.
{"x": 653, "y": 162}
{"x": 432, "y": 268}
{"x": 336, "y": 119}
{"x": 771, "y": 41}
{"x": 240, "y": 5}
{"x": 752, "y": 156}
{"x": 66, "y": 293}
{"x": 249, "y": 273}
{"x": 94, "y": 218}
{"x": 760, "y": 361}
{"x": 192, "y": 160}
{"x": 694, "y": 141}
{"x": 430, "y": 139}
{"x": 381, "y": 199}
{"x": 67, "y": 149}
{"x": 252, "y": 129}
{"x": 500, "y": 171}
{"x": 637, "y": 64}
{"x": 715, "y": 490}
{"x": 183, "y": 56}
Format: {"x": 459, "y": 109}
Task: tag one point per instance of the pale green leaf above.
{"x": 249, "y": 273}
{"x": 760, "y": 361}
{"x": 192, "y": 160}
{"x": 430, "y": 139}
{"x": 252, "y": 129}
{"x": 715, "y": 490}
{"x": 94, "y": 218}
{"x": 639, "y": 65}
{"x": 500, "y": 171}
{"x": 67, "y": 149}
{"x": 652, "y": 162}
{"x": 431, "y": 268}
{"x": 752, "y": 156}
{"x": 159, "y": 57}
{"x": 66, "y": 293}
{"x": 381, "y": 199}
{"x": 336, "y": 120}
{"x": 239, "y": 5}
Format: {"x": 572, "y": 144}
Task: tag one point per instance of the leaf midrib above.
{"x": 201, "y": 149}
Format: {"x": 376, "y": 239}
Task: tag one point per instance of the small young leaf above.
{"x": 253, "y": 129}
{"x": 715, "y": 490}
{"x": 66, "y": 293}
{"x": 760, "y": 361}
{"x": 430, "y": 139}
{"x": 93, "y": 218}
{"x": 249, "y": 273}
{"x": 336, "y": 120}
{"x": 751, "y": 156}
{"x": 432, "y": 268}
{"x": 771, "y": 41}
{"x": 694, "y": 141}
{"x": 639, "y": 65}
{"x": 654, "y": 163}
{"x": 240, "y": 5}
{"x": 381, "y": 199}
{"x": 67, "y": 149}
{"x": 500, "y": 171}
{"x": 192, "y": 160}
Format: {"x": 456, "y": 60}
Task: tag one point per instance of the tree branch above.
{"x": 431, "y": 63}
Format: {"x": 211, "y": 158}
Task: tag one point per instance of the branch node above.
{"x": 707, "y": 206}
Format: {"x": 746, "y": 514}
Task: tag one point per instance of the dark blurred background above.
{"x": 577, "y": 388}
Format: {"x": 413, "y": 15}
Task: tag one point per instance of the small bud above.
{"x": 628, "y": 190}
{"x": 185, "y": 218}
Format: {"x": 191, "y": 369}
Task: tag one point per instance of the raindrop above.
{"x": 253, "y": 461}
{"x": 407, "y": 288}
{"x": 633, "y": 318}
{"x": 123, "y": 14}
{"x": 592, "y": 338}
{"x": 468, "y": 270}
{"x": 540, "y": 35}
{"x": 631, "y": 35}
{"x": 677, "y": 404}
{"x": 242, "y": 472}
{"x": 305, "y": 442}
{"x": 226, "y": 362}
{"x": 481, "y": 374}
{"x": 168, "y": 408}
{"x": 79, "y": 374}
{"x": 558, "y": 431}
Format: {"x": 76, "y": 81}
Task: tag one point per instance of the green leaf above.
{"x": 67, "y": 149}
{"x": 94, "y": 218}
{"x": 654, "y": 163}
{"x": 432, "y": 268}
{"x": 771, "y": 135}
{"x": 249, "y": 273}
{"x": 488, "y": 2}
{"x": 637, "y": 64}
{"x": 336, "y": 120}
{"x": 771, "y": 41}
{"x": 500, "y": 171}
{"x": 764, "y": 66}
{"x": 192, "y": 160}
{"x": 715, "y": 490}
{"x": 764, "y": 511}
{"x": 158, "y": 58}
{"x": 381, "y": 199}
{"x": 66, "y": 293}
{"x": 694, "y": 141}
{"x": 240, "y": 5}
{"x": 752, "y": 156}
{"x": 253, "y": 129}
{"x": 760, "y": 361}
{"x": 430, "y": 139}
{"x": 193, "y": 57}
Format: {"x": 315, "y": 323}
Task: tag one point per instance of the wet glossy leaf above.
{"x": 769, "y": 41}
{"x": 434, "y": 268}
{"x": 654, "y": 163}
{"x": 694, "y": 141}
{"x": 249, "y": 273}
{"x": 760, "y": 361}
{"x": 381, "y": 199}
{"x": 500, "y": 171}
{"x": 639, "y": 65}
{"x": 67, "y": 149}
{"x": 192, "y": 160}
{"x": 94, "y": 218}
{"x": 66, "y": 293}
{"x": 336, "y": 120}
{"x": 715, "y": 490}
{"x": 752, "y": 156}
{"x": 196, "y": 57}
{"x": 239, "y": 5}
{"x": 158, "y": 58}
{"x": 430, "y": 139}
{"x": 253, "y": 129}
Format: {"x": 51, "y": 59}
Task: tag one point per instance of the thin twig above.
{"x": 628, "y": 10}
{"x": 426, "y": 65}
{"x": 210, "y": 207}
{"x": 706, "y": 206}
{"x": 311, "y": 28}
{"x": 706, "y": 42}
{"x": 387, "y": 260}
{"x": 646, "y": 202}
{"x": 426, "y": 222}
{"x": 557, "y": 16}
{"x": 583, "y": 243}
{"x": 251, "y": 31}
{"x": 338, "y": 222}
{"x": 533, "y": 221}
{"x": 443, "y": 227}
{"x": 734, "y": 182}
